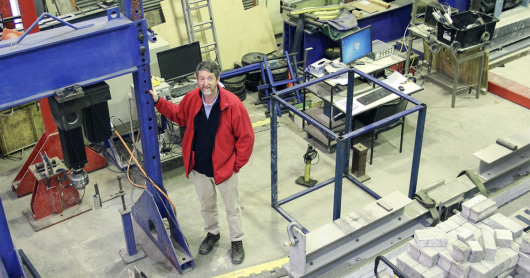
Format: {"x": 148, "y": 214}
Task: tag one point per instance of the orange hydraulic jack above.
{"x": 50, "y": 144}
{"x": 54, "y": 199}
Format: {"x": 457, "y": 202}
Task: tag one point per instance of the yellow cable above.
{"x": 141, "y": 169}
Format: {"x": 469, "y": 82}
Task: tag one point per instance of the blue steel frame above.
{"x": 101, "y": 49}
{"x": 343, "y": 142}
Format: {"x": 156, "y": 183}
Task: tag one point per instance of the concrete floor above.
{"x": 88, "y": 245}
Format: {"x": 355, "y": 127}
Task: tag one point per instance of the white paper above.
{"x": 341, "y": 104}
{"x": 395, "y": 79}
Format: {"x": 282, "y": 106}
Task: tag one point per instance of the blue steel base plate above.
{"x": 140, "y": 254}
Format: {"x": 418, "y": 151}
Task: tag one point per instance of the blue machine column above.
{"x": 9, "y": 261}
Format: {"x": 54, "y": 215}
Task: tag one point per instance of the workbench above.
{"x": 461, "y": 55}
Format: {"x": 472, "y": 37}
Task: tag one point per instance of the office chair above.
{"x": 384, "y": 111}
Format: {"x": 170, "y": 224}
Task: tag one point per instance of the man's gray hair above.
{"x": 210, "y": 66}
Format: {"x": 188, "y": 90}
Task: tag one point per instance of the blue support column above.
{"x": 274, "y": 151}
{"x": 422, "y": 113}
{"x": 339, "y": 170}
{"x": 8, "y": 255}
{"x": 133, "y": 253}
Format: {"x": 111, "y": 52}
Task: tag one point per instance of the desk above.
{"x": 426, "y": 33}
{"x": 323, "y": 91}
{"x": 370, "y": 66}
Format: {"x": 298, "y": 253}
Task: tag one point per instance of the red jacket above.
{"x": 234, "y": 139}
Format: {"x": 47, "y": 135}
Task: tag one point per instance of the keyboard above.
{"x": 374, "y": 96}
{"x": 183, "y": 88}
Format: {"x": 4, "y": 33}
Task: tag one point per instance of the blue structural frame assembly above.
{"x": 100, "y": 49}
{"x": 343, "y": 142}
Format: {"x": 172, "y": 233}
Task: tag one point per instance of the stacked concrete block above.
{"x": 460, "y": 270}
{"x": 524, "y": 261}
{"x": 483, "y": 210}
{"x": 503, "y": 238}
{"x": 525, "y": 244}
{"x": 477, "y": 253}
{"x": 499, "y": 221}
{"x": 464, "y": 234}
{"x": 430, "y": 238}
{"x": 477, "y": 243}
{"x": 429, "y": 256}
{"x": 406, "y": 264}
{"x": 467, "y": 205}
{"x": 487, "y": 240}
{"x": 460, "y": 252}
{"x": 433, "y": 272}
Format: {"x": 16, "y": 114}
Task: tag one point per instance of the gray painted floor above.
{"x": 88, "y": 245}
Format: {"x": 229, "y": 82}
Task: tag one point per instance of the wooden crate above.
{"x": 20, "y": 127}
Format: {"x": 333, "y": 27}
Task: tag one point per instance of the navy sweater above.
{"x": 205, "y": 130}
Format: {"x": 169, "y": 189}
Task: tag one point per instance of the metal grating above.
{"x": 247, "y": 4}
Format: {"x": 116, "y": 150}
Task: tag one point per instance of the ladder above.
{"x": 192, "y": 29}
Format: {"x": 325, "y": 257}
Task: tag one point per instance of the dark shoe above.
{"x": 208, "y": 242}
{"x": 238, "y": 253}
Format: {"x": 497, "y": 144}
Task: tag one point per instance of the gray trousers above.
{"x": 206, "y": 189}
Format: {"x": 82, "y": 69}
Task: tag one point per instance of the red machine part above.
{"x": 55, "y": 197}
{"x": 25, "y": 181}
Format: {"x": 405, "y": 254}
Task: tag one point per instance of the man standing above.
{"x": 218, "y": 141}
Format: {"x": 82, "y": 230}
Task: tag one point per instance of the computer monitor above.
{"x": 178, "y": 62}
{"x": 356, "y": 45}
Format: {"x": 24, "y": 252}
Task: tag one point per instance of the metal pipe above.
{"x": 289, "y": 218}
{"x": 339, "y": 170}
{"x": 363, "y": 187}
{"x": 305, "y": 191}
{"x": 420, "y": 126}
{"x": 25, "y": 260}
{"x": 121, "y": 192}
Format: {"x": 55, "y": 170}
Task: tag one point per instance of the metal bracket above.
{"x": 146, "y": 213}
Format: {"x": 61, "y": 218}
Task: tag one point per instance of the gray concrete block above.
{"x": 482, "y": 210}
{"x": 459, "y": 220}
{"x": 467, "y": 205}
{"x": 479, "y": 270}
{"x": 460, "y": 252}
{"x": 499, "y": 264}
{"x": 470, "y": 226}
{"x": 503, "y": 237}
{"x": 444, "y": 226}
{"x": 477, "y": 253}
{"x": 433, "y": 272}
{"x": 460, "y": 269}
{"x": 507, "y": 273}
{"x": 512, "y": 255}
{"x": 524, "y": 261}
{"x": 414, "y": 250}
{"x": 499, "y": 221}
{"x": 525, "y": 244}
{"x": 521, "y": 273}
{"x": 418, "y": 270}
{"x": 464, "y": 234}
{"x": 445, "y": 261}
{"x": 519, "y": 240}
{"x": 452, "y": 236}
{"x": 429, "y": 256}
{"x": 487, "y": 240}
{"x": 430, "y": 238}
